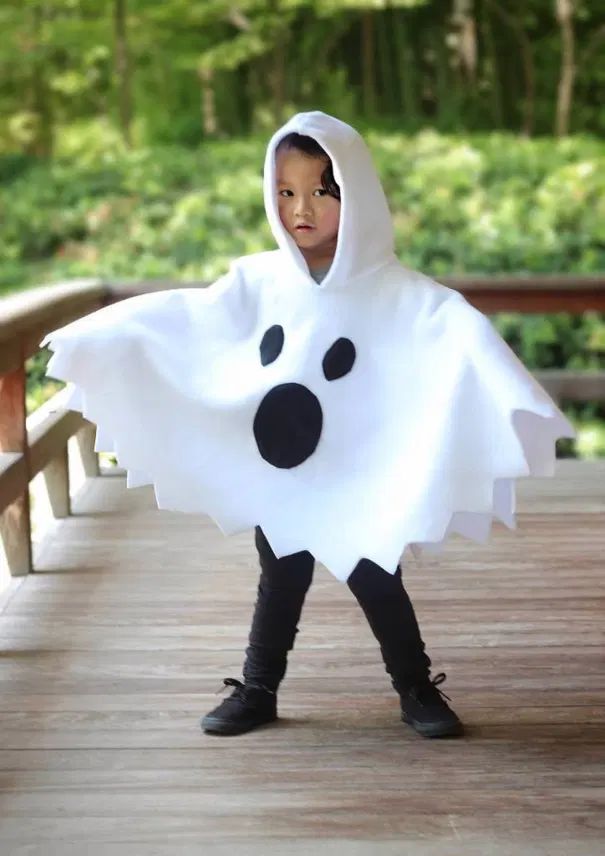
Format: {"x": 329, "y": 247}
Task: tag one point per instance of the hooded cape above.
{"x": 351, "y": 418}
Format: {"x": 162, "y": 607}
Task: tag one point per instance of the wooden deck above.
{"x": 113, "y": 649}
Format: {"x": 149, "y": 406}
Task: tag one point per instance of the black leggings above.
{"x": 282, "y": 588}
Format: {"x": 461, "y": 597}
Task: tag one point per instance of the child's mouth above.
{"x": 304, "y": 228}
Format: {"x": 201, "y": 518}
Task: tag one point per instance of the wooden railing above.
{"x": 27, "y": 449}
{"x": 38, "y": 443}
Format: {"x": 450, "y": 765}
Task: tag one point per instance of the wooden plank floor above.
{"x": 116, "y": 646}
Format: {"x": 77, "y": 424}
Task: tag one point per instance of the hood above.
{"x": 365, "y": 235}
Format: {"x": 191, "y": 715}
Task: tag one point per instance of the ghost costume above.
{"x": 351, "y": 418}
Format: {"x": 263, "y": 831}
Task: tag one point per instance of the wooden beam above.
{"x": 15, "y": 529}
{"x": 123, "y": 290}
{"x": 536, "y": 293}
{"x": 27, "y": 310}
{"x": 48, "y": 435}
{"x": 572, "y": 385}
{"x": 10, "y": 356}
{"x": 491, "y": 293}
{"x": 86, "y": 443}
{"x": 14, "y": 478}
{"x": 56, "y": 478}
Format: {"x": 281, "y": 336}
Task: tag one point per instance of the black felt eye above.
{"x": 339, "y": 359}
{"x": 272, "y": 344}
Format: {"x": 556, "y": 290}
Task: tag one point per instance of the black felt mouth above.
{"x": 287, "y": 425}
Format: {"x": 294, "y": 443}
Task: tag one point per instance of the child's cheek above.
{"x": 282, "y": 216}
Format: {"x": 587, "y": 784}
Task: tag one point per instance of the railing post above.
{"x": 86, "y": 443}
{"x": 15, "y": 526}
{"x": 56, "y": 478}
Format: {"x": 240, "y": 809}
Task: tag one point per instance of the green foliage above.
{"x": 495, "y": 203}
{"x": 477, "y": 203}
{"x": 38, "y": 387}
{"x": 591, "y": 439}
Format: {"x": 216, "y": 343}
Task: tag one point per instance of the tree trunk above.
{"x": 447, "y": 87}
{"x": 43, "y": 142}
{"x": 491, "y": 61}
{"x": 278, "y": 78}
{"x": 208, "y": 102}
{"x": 367, "y": 67}
{"x": 255, "y": 92}
{"x": 406, "y": 66}
{"x": 467, "y": 39}
{"x": 385, "y": 88}
{"x": 122, "y": 69}
{"x": 527, "y": 61}
{"x": 277, "y": 69}
{"x": 564, "y": 10}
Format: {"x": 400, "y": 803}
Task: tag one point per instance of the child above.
{"x": 339, "y": 403}
{"x": 309, "y": 209}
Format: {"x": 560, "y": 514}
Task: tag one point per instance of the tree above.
{"x": 565, "y": 10}
{"x": 122, "y": 69}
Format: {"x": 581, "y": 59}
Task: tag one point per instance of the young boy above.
{"x": 309, "y": 209}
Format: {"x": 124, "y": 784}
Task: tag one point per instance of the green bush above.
{"x": 479, "y": 203}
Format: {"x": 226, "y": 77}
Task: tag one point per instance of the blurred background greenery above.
{"x": 132, "y": 136}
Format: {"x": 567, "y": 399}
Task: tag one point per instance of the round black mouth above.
{"x": 287, "y": 425}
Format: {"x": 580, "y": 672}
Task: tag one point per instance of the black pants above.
{"x": 281, "y": 593}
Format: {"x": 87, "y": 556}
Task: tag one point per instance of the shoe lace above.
{"x": 240, "y": 687}
{"x": 230, "y": 682}
{"x": 427, "y": 689}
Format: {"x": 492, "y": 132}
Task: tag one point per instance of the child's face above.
{"x": 307, "y": 211}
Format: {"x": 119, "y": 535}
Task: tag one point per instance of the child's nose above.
{"x": 303, "y": 206}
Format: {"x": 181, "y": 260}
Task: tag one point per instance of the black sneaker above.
{"x": 423, "y": 707}
{"x": 248, "y": 706}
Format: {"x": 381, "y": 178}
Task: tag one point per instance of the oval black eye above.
{"x": 272, "y": 344}
{"x": 339, "y": 359}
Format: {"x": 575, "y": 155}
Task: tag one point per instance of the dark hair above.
{"x": 310, "y": 147}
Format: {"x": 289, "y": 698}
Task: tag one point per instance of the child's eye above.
{"x": 320, "y": 191}
{"x": 285, "y": 193}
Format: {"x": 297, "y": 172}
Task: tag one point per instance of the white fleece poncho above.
{"x": 351, "y": 418}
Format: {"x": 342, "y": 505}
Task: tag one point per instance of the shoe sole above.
{"x": 219, "y": 726}
{"x": 455, "y": 730}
